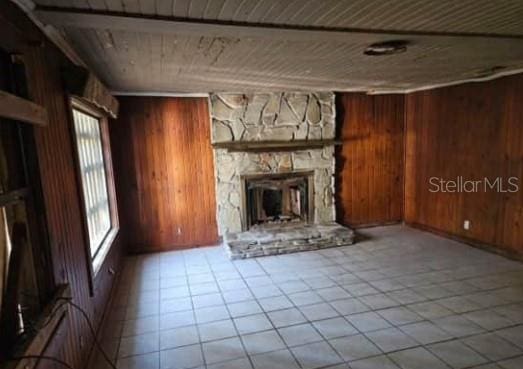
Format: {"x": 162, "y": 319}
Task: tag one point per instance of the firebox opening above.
{"x": 277, "y": 199}
{"x": 271, "y": 203}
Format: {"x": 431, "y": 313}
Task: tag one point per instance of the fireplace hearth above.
{"x": 278, "y": 239}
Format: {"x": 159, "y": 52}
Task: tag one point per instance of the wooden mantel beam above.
{"x": 274, "y": 145}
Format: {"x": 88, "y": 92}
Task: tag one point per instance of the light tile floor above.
{"x": 400, "y": 298}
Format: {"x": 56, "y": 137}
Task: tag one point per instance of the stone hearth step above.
{"x": 286, "y": 238}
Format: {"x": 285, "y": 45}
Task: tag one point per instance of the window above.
{"x": 94, "y": 181}
{"x": 95, "y": 172}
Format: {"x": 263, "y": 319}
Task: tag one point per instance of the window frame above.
{"x": 95, "y": 261}
{"x": 30, "y": 195}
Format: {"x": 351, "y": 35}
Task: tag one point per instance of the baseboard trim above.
{"x": 509, "y": 254}
{"x": 372, "y": 225}
{"x": 138, "y": 250}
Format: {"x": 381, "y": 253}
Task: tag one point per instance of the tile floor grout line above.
{"x": 200, "y": 345}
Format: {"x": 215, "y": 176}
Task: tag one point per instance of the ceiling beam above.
{"x": 69, "y": 17}
{"x": 28, "y": 7}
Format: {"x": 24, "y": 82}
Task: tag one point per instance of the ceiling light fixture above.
{"x": 387, "y": 48}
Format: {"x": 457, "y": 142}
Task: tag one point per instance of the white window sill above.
{"x": 104, "y": 250}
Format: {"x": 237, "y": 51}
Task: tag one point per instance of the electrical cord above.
{"x": 35, "y": 328}
{"x": 89, "y": 324}
{"x": 93, "y": 331}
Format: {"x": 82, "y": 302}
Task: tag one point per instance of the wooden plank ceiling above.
{"x": 240, "y": 45}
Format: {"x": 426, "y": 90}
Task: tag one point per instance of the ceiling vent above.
{"x": 387, "y": 48}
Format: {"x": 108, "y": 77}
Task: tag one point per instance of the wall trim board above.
{"x": 23, "y": 110}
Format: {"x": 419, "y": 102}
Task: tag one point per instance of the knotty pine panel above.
{"x": 369, "y": 163}
{"x": 474, "y": 131}
{"x": 164, "y": 173}
{"x": 60, "y": 188}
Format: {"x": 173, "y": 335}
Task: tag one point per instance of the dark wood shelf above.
{"x": 17, "y": 108}
{"x": 264, "y": 146}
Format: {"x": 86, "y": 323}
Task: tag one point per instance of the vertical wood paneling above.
{"x": 164, "y": 172}
{"x": 473, "y": 131}
{"x": 60, "y": 190}
{"x": 369, "y": 173}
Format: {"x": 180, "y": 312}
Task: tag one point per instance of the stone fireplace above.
{"x": 274, "y": 163}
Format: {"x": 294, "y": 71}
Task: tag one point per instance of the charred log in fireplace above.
{"x": 278, "y": 198}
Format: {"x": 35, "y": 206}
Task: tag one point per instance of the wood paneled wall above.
{"x": 60, "y": 188}
{"x": 369, "y": 173}
{"x": 164, "y": 173}
{"x": 473, "y": 131}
